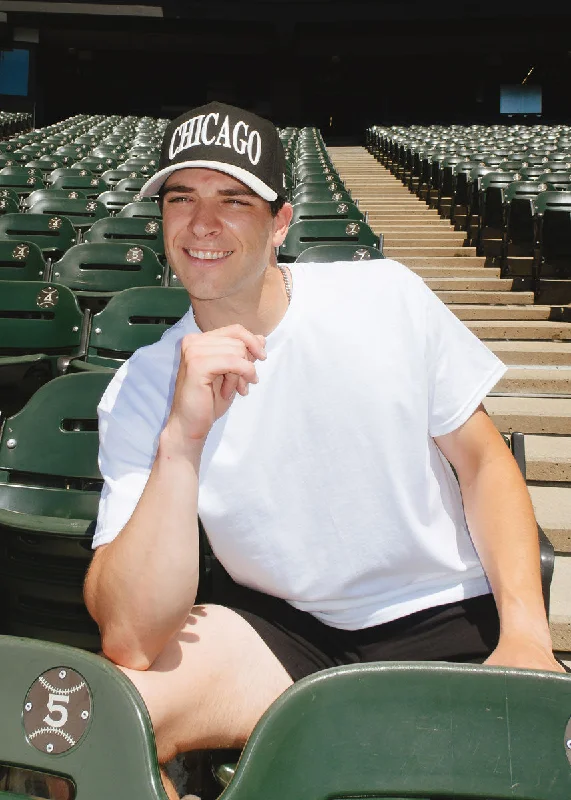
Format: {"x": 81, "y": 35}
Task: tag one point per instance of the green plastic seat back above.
{"x": 308, "y": 233}
{"x": 111, "y": 177}
{"x": 326, "y": 210}
{"x": 90, "y": 726}
{"x": 91, "y": 185}
{"x": 108, "y": 267}
{"x": 38, "y": 317}
{"x": 338, "y": 252}
{"x": 56, "y": 431}
{"x": 69, "y": 172}
{"x": 142, "y": 209}
{"x": 52, "y": 234}
{"x": 133, "y": 185}
{"x": 10, "y": 194}
{"x": 553, "y": 201}
{"x": 21, "y": 184}
{"x": 21, "y": 261}
{"x": 81, "y": 213}
{"x": 320, "y": 194}
{"x": 134, "y": 318}
{"x": 414, "y": 730}
{"x": 521, "y": 189}
{"x": 148, "y": 232}
{"x": 115, "y": 201}
{"x": 9, "y": 206}
{"x": 97, "y": 164}
{"x": 53, "y": 194}
{"x": 20, "y": 171}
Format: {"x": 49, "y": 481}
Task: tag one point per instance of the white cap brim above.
{"x": 153, "y": 185}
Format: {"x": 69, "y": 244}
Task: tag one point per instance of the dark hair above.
{"x": 277, "y": 205}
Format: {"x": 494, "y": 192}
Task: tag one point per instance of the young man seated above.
{"x": 309, "y": 417}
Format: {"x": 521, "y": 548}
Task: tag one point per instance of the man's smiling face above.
{"x": 219, "y": 235}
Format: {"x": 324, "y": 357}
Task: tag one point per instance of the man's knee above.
{"x": 210, "y": 684}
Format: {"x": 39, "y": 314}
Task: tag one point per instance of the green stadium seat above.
{"x": 326, "y": 210}
{"x": 53, "y": 235}
{"x": 51, "y": 194}
{"x": 320, "y": 194}
{"x": 414, "y": 730}
{"x": 81, "y": 213}
{"x": 112, "y": 752}
{"x": 147, "y": 232}
{"x": 40, "y": 323}
{"x": 69, "y": 172}
{"x": 100, "y": 268}
{"x": 10, "y": 194}
{"x": 339, "y": 252}
{"x": 145, "y": 209}
{"x": 8, "y": 206}
{"x": 308, "y": 233}
{"x": 90, "y": 185}
{"x": 97, "y": 165}
{"x": 21, "y": 261}
{"x": 47, "y": 514}
{"x": 21, "y": 184}
{"x": 519, "y": 226}
{"x": 115, "y": 201}
{"x": 133, "y": 185}
{"x": 553, "y": 213}
{"x": 133, "y": 318}
{"x": 111, "y": 177}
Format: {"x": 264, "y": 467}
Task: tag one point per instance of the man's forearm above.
{"x": 502, "y": 525}
{"x": 142, "y": 586}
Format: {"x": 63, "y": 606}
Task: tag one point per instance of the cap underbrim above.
{"x": 153, "y": 185}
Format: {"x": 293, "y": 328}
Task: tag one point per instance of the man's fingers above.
{"x": 254, "y": 342}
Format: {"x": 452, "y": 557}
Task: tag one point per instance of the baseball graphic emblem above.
{"x": 57, "y": 710}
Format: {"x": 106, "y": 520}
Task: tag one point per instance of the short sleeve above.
{"x": 461, "y": 370}
{"x": 127, "y": 448}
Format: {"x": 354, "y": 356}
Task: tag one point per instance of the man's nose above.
{"x": 204, "y": 220}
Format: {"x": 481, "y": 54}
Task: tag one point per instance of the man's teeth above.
{"x": 209, "y": 254}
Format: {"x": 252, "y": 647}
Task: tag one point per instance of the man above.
{"x": 308, "y": 417}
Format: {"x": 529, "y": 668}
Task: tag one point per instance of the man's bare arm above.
{"x": 502, "y": 524}
{"x": 142, "y": 586}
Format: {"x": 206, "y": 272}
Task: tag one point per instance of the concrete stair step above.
{"x": 449, "y": 251}
{"x": 458, "y": 260}
{"x": 422, "y": 241}
{"x": 460, "y": 284}
{"x": 486, "y": 298}
{"x": 436, "y": 227}
{"x": 500, "y": 312}
{"x": 552, "y": 506}
{"x": 516, "y": 329}
{"x": 536, "y": 380}
{"x": 531, "y": 414}
{"x": 559, "y": 613}
{"x": 548, "y": 458}
{"x": 459, "y": 271}
{"x": 542, "y": 353}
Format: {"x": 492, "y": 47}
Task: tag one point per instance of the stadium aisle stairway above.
{"x": 533, "y": 340}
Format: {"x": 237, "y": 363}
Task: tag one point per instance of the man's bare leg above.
{"x": 210, "y": 685}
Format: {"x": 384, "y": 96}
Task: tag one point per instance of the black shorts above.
{"x": 465, "y": 631}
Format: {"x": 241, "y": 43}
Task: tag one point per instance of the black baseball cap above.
{"x": 228, "y": 139}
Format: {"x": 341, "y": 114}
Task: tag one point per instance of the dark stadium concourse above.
{"x": 338, "y": 66}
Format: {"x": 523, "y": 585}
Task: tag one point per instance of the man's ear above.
{"x": 281, "y": 224}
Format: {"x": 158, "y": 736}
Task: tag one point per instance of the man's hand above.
{"x": 213, "y": 367}
{"x": 523, "y": 653}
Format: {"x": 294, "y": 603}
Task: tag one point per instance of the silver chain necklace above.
{"x": 287, "y": 281}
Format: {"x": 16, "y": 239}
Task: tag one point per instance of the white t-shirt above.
{"x": 324, "y": 486}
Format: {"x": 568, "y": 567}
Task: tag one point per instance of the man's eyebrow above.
{"x": 238, "y": 192}
{"x": 179, "y": 188}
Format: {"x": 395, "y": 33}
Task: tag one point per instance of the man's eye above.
{"x": 178, "y": 199}
{"x": 235, "y": 202}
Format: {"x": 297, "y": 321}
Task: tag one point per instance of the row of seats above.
{"x": 508, "y": 187}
